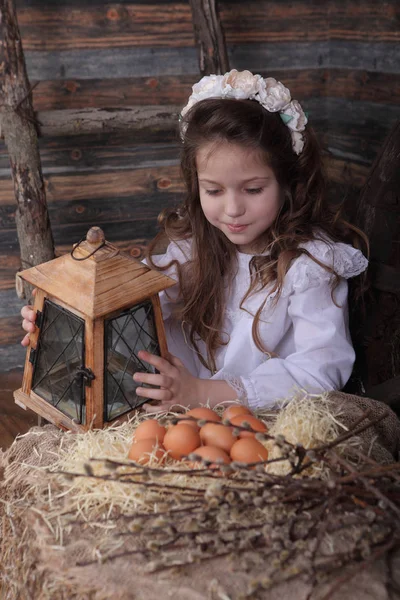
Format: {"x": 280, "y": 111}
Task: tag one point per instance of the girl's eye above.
{"x": 254, "y": 190}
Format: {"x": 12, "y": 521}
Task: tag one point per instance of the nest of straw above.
{"x": 79, "y": 520}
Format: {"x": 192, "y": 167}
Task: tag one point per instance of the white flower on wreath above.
{"x": 241, "y": 85}
{"x": 192, "y": 100}
{"x": 272, "y": 94}
{"x": 297, "y": 141}
{"x": 299, "y": 120}
{"x": 209, "y": 86}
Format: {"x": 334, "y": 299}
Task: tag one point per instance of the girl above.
{"x": 259, "y": 310}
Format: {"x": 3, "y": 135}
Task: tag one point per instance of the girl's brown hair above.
{"x": 305, "y": 215}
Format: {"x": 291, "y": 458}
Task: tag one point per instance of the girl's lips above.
{"x": 236, "y": 228}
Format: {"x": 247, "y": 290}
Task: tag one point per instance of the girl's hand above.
{"x": 29, "y": 318}
{"x": 176, "y": 384}
{"x": 28, "y": 323}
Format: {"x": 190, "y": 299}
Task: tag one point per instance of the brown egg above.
{"x": 248, "y": 450}
{"x": 235, "y": 410}
{"x": 214, "y": 434}
{"x": 212, "y": 453}
{"x": 149, "y": 429}
{"x": 181, "y": 440}
{"x": 203, "y": 413}
{"x": 141, "y": 450}
{"x": 254, "y": 423}
{"x": 183, "y": 421}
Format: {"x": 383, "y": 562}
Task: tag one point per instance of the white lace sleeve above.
{"x": 305, "y": 273}
{"x": 237, "y": 384}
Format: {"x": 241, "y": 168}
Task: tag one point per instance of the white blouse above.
{"x": 305, "y": 329}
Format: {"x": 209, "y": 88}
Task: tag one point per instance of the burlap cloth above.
{"x": 382, "y": 441}
{"x": 36, "y": 563}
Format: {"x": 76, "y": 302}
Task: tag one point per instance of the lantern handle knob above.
{"x": 95, "y": 235}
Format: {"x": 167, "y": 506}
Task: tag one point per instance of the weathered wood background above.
{"x": 340, "y": 58}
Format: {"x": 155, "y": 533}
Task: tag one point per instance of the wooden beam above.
{"x": 55, "y": 25}
{"x": 157, "y": 123}
{"x": 17, "y": 124}
{"x": 209, "y": 36}
{"x": 86, "y": 121}
{"x": 97, "y": 120}
{"x": 118, "y": 92}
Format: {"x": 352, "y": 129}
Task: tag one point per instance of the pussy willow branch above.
{"x": 194, "y": 533}
{"x": 143, "y": 516}
{"x": 111, "y": 463}
{"x": 186, "y": 490}
{"x": 369, "y": 486}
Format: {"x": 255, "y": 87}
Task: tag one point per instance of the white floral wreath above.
{"x": 243, "y": 85}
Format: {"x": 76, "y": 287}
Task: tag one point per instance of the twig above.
{"x": 186, "y": 490}
{"x": 373, "y": 489}
{"x": 353, "y": 432}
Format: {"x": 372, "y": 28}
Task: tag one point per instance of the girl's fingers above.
{"x": 154, "y": 394}
{"x": 175, "y": 361}
{"x": 28, "y": 313}
{"x": 158, "y": 362}
{"x": 28, "y": 326}
{"x": 25, "y": 340}
{"x": 153, "y": 379}
{"x": 156, "y": 408}
{"x": 162, "y": 407}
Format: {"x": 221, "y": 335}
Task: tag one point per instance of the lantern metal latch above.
{"x": 39, "y": 319}
{"x": 38, "y": 322}
{"x": 32, "y": 356}
{"x": 87, "y": 375}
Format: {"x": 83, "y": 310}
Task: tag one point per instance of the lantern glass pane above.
{"x": 124, "y": 336}
{"x": 60, "y": 354}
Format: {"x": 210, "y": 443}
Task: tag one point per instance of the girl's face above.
{"x": 238, "y": 192}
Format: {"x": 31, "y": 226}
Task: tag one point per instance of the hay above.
{"x": 308, "y": 420}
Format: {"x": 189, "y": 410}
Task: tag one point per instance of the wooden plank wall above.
{"x": 340, "y": 58}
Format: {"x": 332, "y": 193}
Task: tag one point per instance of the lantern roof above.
{"x": 96, "y": 278}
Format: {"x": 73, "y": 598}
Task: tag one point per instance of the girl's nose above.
{"x": 234, "y": 207}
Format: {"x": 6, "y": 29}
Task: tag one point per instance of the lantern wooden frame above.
{"x": 95, "y": 282}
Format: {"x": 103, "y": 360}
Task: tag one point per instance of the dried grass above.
{"x": 310, "y": 421}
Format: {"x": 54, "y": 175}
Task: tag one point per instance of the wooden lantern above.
{"x": 96, "y": 308}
